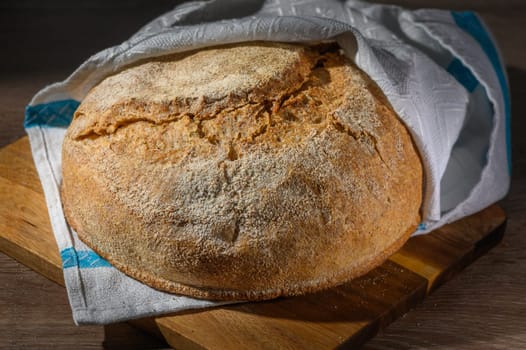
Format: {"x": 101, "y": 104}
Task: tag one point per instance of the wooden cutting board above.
{"x": 345, "y": 316}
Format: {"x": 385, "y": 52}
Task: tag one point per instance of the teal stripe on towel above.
{"x": 468, "y": 21}
{"x": 52, "y": 114}
{"x": 84, "y": 259}
{"x": 463, "y": 75}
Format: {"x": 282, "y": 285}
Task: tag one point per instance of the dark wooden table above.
{"x": 484, "y": 307}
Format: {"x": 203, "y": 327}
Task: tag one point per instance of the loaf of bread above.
{"x": 241, "y": 172}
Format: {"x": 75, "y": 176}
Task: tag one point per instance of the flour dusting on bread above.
{"x": 244, "y": 171}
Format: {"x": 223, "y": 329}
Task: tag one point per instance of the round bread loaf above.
{"x": 241, "y": 172}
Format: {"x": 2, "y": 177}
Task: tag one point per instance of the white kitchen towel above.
{"x": 439, "y": 69}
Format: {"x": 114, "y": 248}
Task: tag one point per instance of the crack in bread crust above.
{"x": 274, "y": 108}
{"x": 282, "y": 116}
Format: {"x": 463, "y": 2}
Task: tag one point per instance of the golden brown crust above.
{"x": 354, "y": 270}
{"x": 208, "y": 175}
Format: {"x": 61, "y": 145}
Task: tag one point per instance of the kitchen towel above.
{"x": 440, "y": 70}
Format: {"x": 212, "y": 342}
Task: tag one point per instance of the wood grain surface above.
{"x": 483, "y": 307}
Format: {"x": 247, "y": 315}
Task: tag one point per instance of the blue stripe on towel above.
{"x": 469, "y": 22}
{"x": 463, "y": 75}
{"x": 84, "y": 259}
{"x": 53, "y": 114}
